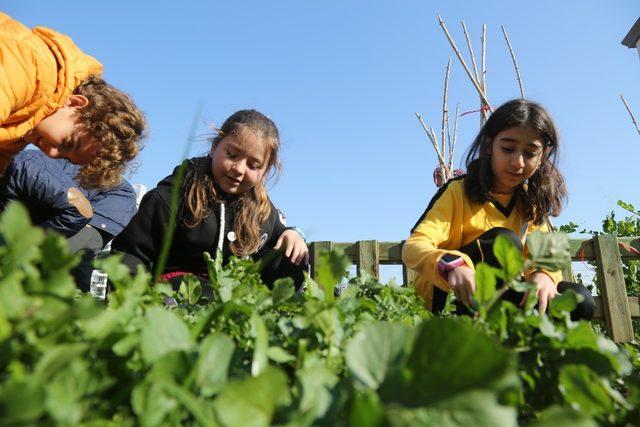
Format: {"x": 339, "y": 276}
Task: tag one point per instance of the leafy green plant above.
{"x": 248, "y": 355}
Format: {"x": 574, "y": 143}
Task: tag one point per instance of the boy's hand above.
{"x": 294, "y": 247}
{"x": 462, "y": 281}
{"x": 546, "y": 290}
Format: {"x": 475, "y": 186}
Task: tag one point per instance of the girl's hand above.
{"x": 294, "y": 247}
{"x": 462, "y": 281}
{"x": 546, "y": 290}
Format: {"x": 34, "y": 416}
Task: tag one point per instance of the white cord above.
{"x": 221, "y": 235}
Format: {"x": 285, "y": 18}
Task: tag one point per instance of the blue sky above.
{"x": 343, "y": 79}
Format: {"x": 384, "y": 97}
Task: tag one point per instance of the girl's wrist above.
{"x": 299, "y": 231}
{"x": 448, "y": 263}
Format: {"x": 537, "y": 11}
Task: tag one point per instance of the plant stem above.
{"x": 176, "y": 188}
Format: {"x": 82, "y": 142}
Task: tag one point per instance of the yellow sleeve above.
{"x": 556, "y": 276}
{"x": 424, "y": 248}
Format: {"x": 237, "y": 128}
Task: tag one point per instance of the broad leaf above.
{"x": 376, "y": 350}
{"x": 162, "y": 333}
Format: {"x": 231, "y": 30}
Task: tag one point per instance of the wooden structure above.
{"x": 613, "y": 305}
{"x": 632, "y": 39}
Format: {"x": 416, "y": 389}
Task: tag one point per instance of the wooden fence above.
{"x": 613, "y": 304}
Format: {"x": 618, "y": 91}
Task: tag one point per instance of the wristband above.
{"x": 449, "y": 262}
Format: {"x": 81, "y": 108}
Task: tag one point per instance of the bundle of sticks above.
{"x": 445, "y": 147}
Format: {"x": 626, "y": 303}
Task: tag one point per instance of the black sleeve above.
{"x": 277, "y": 223}
{"x": 141, "y": 239}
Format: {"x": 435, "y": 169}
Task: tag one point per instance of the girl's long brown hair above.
{"x": 254, "y": 207}
{"x": 545, "y": 192}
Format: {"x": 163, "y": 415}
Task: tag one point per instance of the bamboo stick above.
{"x": 455, "y": 137}
{"x": 515, "y": 63}
{"x": 633, "y": 118}
{"x": 444, "y": 107}
{"x": 473, "y": 57}
{"x": 483, "y": 39}
{"x": 434, "y": 141}
{"x": 464, "y": 64}
{"x": 449, "y": 140}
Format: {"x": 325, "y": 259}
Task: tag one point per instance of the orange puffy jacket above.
{"x": 39, "y": 69}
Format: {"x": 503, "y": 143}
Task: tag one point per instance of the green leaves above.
{"x": 331, "y": 270}
{"x": 486, "y": 281}
{"x": 450, "y": 357}
{"x": 508, "y": 256}
{"x": 212, "y": 366}
{"x": 586, "y": 392}
{"x": 252, "y": 402}
{"x": 549, "y": 251}
{"x": 375, "y": 350}
{"x": 476, "y": 408}
{"x": 256, "y": 356}
{"x": 162, "y": 333}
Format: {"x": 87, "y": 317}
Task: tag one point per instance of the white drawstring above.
{"x": 221, "y": 235}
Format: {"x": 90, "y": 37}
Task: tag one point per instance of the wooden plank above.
{"x": 367, "y": 258}
{"x": 634, "y": 307}
{"x": 584, "y": 250}
{"x": 613, "y": 289}
{"x": 581, "y": 250}
{"x": 314, "y": 254}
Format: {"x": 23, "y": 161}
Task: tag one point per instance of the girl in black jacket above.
{"x": 223, "y": 206}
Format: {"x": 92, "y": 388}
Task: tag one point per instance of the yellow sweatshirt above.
{"x": 450, "y": 222}
{"x": 39, "y": 69}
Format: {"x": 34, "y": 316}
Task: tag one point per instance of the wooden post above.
{"x": 368, "y": 257}
{"x": 408, "y": 275}
{"x": 613, "y": 289}
{"x": 314, "y": 254}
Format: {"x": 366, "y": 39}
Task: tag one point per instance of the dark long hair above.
{"x": 254, "y": 206}
{"x": 545, "y": 193}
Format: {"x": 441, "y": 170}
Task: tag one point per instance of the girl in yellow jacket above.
{"x": 512, "y": 186}
{"x": 51, "y": 95}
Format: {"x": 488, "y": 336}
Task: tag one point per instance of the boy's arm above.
{"x": 113, "y": 209}
{"x": 30, "y": 181}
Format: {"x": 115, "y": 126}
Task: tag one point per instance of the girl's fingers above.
{"x": 542, "y": 302}
{"x": 295, "y": 256}
{"x": 279, "y": 242}
{"x": 523, "y": 301}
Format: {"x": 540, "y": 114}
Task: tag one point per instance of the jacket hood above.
{"x": 39, "y": 69}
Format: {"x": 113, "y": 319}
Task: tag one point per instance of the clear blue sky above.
{"x": 343, "y": 79}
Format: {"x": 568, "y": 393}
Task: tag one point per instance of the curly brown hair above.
{"x": 201, "y": 192}
{"x": 116, "y": 124}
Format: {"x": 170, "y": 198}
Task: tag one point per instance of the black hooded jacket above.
{"x": 141, "y": 241}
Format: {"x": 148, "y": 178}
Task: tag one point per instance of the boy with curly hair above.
{"x": 52, "y": 96}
